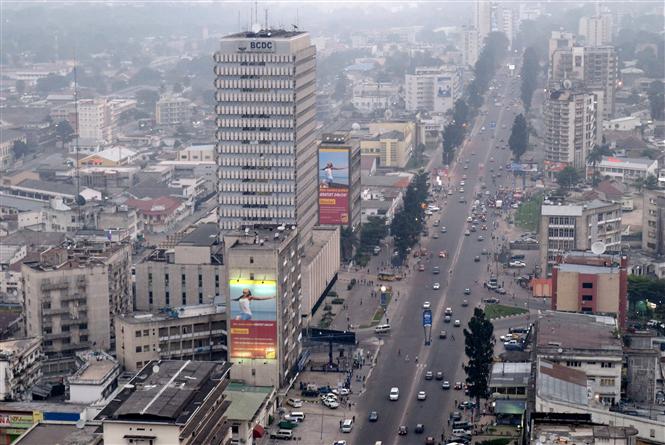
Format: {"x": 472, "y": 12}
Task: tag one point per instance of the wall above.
{"x": 319, "y": 270}
{"x": 115, "y": 432}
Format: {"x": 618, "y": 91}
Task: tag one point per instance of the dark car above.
{"x": 456, "y": 416}
{"x": 373, "y": 416}
{"x": 429, "y": 440}
{"x": 420, "y": 428}
{"x": 439, "y": 375}
{"x": 402, "y": 430}
{"x": 476, "y": 259}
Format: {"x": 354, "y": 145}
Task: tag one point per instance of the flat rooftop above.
{"x": 197, "y": 310}
{"x": 559, "y": 382}
{"x": 265, "y": 34}
{"x": 16, "y": 346}
{"x": 202, "y": 235}
{"x": 574, "y": 432}
{"x": 571, "y": 331}
{"x": 260, "y": 238}
{"x": 60, "y": 434}
{"x": 97, "y": 367}
{"x": 165, "y": 391}
{"x": 586, "y": 269}
{"x": 246, "y": 400}
{"x": 510, "y": 374}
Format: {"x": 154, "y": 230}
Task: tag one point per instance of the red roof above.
{"x": 164, "y": 205}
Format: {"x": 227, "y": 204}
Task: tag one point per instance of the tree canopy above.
{"x": 409, "y": 219}
{"x": 479, "y": 348}
{"x": 529, "y": 76}
{"x": 656, "y": 95}
{"x": 519, "y": 137}
{"x": 568, "y": 178}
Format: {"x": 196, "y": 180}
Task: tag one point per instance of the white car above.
{"x": 332, "y": 404}
{"x": 461, "y": 183}
{"x": 457, "y": 323}
{"x": 341, "y": 391}
{"x": 467, "y": 233}
{"x": 427, "y": 305}
{"x": 296, "y": 403}
{"x": 394, "y": 394}
{"x": 436, "y": 286}
{"x": 433, "y": 208}
{"x": 517, "y": 263}
{"x": 422, "y": 395}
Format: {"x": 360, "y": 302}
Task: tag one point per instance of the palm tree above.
{"x": 595, "y": 156}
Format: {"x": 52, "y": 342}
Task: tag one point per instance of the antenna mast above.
{"x": 76, "y": 135}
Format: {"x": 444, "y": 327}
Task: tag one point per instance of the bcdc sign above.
{"x": 261, "y": 46}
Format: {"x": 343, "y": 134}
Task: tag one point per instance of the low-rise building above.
{"x": 392, "y": 142}
{"x": 250, "y": 410}
{"x": 564, "y": 228}
{"x": 188, "y": 270}
{"x": 173, "y": 111}
{"x": 510, "y": 380}
{"x": 18, "y": 417}
{"x": 369, "y": 97}
{"x": 20, "y": 367}
{"x": 653, "y": 222}
{"x": 196, "y": 332}
{"x": 178, "y": 402}
{"x": 202, "y": 152}
{"x": 624, "y": 169}
{"x": 588, "y": 344}
{"x": 7, "y": 140}
{"x": 95, "y": 379}
{"x": 433, "y": 89}
{"x": 558, "y": 428}
{"x": 110, "y": 157}
{"x": 592, "y": 284}
{"x": 159, "y": 215}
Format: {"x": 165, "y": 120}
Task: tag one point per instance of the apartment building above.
{"x": 95, "y": 379}
{"x": 391, "y": 142}
{"x": 170, "y": 111}
{"x": 592, "y": 284}
{"x": 72, "y": 294}
{"x": 587, "y": 343}
{"x": 197, "y": 153}
{"x": 187, "y": 271}
{"x": 196, "y": 332}
{"x": 596, "y": 30}
{"x": 482, "y": 18}
{"x": 565, "y": 228}
{"x": 626, "y": 170}
{"x": 471, "y": 45}
{"x": 433, "y": 89}
{"x": 266, "y": 129}
{"x": 653, "y": 222}
{"x": 94, "y": 123}
{"x": 20, "y": 367}
{"x": 264, "y": 297}
{"x": 571, "y": 127}
{"x": 179, "y": 402}
{"x": 369, "y": 97}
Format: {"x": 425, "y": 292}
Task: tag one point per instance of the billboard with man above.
{"x": 334, "y": 186}
{"x": 253, "y": 319}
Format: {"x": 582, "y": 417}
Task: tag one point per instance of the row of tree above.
{"x": 409, "y": 220}
{"x": 529, "y": 76}
{"x": 490, "y": 57}
{"x": 360, "y": 246}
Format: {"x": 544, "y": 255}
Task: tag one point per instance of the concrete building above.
{"x": 72, "y": 295}
{"x": 433, "y": 89}
{"x": 592, "y": 284}
{"x": 482, "y": 18}
{"x": 95, "y": 126}
{"x": 264, "y": 296}
{"x": 95, "y": 379}
{"x": 203, "y": 152}
{"x": 319, "y": 268}
{"x": 571, "y": 127}
{"x": 564, "y": 228}
{"x": 471, "y": 46}
{"x": 339, "y": 201}
{"x": 196, "y": 332}
{"x": 19, "y": 417}
{"x": 653, "y": 222}
{"x": 20, "y": 367}
{"x": 180, "y": 402}
{"x": 7, "y": 140}
{"x": 626, "y": 170}
{"x": 250, "y": 411}
{"x": 370, "y": 97}
{"x": 558, "y": 428}
{"x": 266, "y": 126}
{"x": 188, "y": 271}
{"x": 171, "y": 111}
{"x": 505, "y": 18}
{"x": 110, "y": 157}
{"x": 161, "y": 214}
{"x": 510, "y": 380}
{"x": 596, "y": 30}
{"x": 391, "y": 142}
{"x": 644, "y": 367}
{"x": 559, "y": 40}
{"x": 586, "y": 343}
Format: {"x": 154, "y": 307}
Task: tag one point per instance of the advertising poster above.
{"x": 443, "y": 88}
{"x": 334, "y": 186}
{"x": 253, "y": 319}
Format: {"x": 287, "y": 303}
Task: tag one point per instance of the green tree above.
{"x": 146, "y": 99}
{"x": 595, "y": 156}
{"x": 651, "y": 182}
{"x": 371, "y": 233}
{"x": 529, "y": 76}
{"x": 20, "y": 149}
{"x": 519, "y": 137}
{"x": 568, "y": 178}
{"x": 348, "y": 243}
{"x": 64, "y": 132}
{"x": 52, "y": 82}
{"x": 409, "y": 219}
{"x": 479, "y": 348}
{"x": 656, "y": 95}
{"x": 639, "y": 183}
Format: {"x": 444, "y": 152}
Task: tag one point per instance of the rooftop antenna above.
{"x": 266, "y": 18}
{"x": 77, "y": 198}
{"x": 256, "y": 12}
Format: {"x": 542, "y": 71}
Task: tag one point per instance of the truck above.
{"x": 498, "y": 204}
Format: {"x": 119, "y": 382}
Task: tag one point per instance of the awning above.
{"x": 258, "y": 431}
{"x": 513, "y": 407}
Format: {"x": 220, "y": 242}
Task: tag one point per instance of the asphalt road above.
{"x": 458, "y": 272}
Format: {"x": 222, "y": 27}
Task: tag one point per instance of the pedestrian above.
{"x": 354, "y": 418}
{"x": 340, "y": 423}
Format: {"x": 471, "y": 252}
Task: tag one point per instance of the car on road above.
{"x": 429, "y": 375}
{"x": 340, "y": 442}
{"x": 466, "y": 404}
{"x": 457, "y": 323}
{"x": 427, "y": 305}
{"x": 491, "y": 300}
{"x": 517, "y": 263}
{"x": 330, "y": 403}
{"x": 435, "y": 236}
{"x": 501, "y": 291}
{"x": 373, "y": 416}
{"x": 461, "y": 189}
{"x": 447, "y": 319}
{"x": 282, "y": 435}
{"x": 467, "y": 291}
{"x": 467, "y": 233}
{"x": 341, "y": 391}
{"x": 456, "y": 416}
{"x": 419, "y": 429}
{"x": 461, "y": 183}
{"x": 445, "y": 385}
{"x": 436, "y": 286}
{"x": 481, "y": 238}
{"x": 442, "y": 254}
{"x": 443, "y": 229}
{"x": 421, "y": 267}
{"x": 466, "y": 166}
{"x": 464, "y": 176}
{"x": 448, "y": 311}
{"x": 429, "y": 440}
{"x": 476, "y": 259}
{"x": 465, "y": 303}
{"x": 394, "y": 394}
{"x": 450, "y": 192}
{"x": 439, "y": 375}
{"x": 295, "y": 403}
{"x": 422, "y": 395}
{"x": 402, "y": 430}
{"x": 443, "y": 334}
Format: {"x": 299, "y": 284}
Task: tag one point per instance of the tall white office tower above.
{"x": 266, "y": 123}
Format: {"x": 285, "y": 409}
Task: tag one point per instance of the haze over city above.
{"x": 340, "y": 223}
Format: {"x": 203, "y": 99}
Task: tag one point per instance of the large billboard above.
{"x": 334, "y": 186}
{"x": 253, "y": 319}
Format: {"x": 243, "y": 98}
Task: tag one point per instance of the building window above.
{"x": 146, "y": 332}
{"x": 607, "y": 382}
{"x": 138, "y": 333}
{"x": 587, "y": 285}
{"x": 139, "y": 349}
{"x": 251, "y": 260}
{"x": 606, "y": 365}
{"x": 251, "y": 276}
{"x": 200, "y": 280}
{"x": 48, "y": 330}
{"x": 65, "y": 328}
{"x": 183, "y": 279}
{"x": 150, "y": 298}
{"x": 587, "y": 297}
{"x": 200, "y": 297}
{"x": 166, "y": 280}
{"x": 167, "y": 297}
{"x": 83, "y": 338}
{"x": 138, "y": 365}
{"x": 573, "y": 364}
{"x": 184, "y": 298}
{"x": 83, "y": 326}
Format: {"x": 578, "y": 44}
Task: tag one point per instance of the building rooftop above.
{"x": 97, "y": 367}
{"x": 633, "y": 163}
{"x": 265, "y": 34}
{"x": 114, "y": 154}
{"x": 202, "y": 235}
{"x": 564, "y": 331}
{"x": 557, "y": 431}
{"x": 575, "y": 209}
{"x": 11, "y": 347}
{"x": 561, "y": 383}
{"x": 196, "y": 310}
{"x": 163, "y": 205}
{"x": 394, "y": 134}
{"x": 586, "y": 269}
{"x": 510, "y": 374}
{"x": 60, "y": 434}
{"x": 48, "y": 186}
{"x": 246, "y": 400}
{"x": 260, "y": 237}
{"x": 165, "y": 391}
{"x": 401, "y": 180}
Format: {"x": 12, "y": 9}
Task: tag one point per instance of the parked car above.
{"x": 373, "y": 416}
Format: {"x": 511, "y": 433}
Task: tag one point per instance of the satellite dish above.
{"x": 155, "y": 369}
{"x": 388, "y": 114}
{"x": 355, "y": 126}
{"x": 598, "y": 248}
{"x": 567, "y": 84}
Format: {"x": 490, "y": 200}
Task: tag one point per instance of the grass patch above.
{"x": 493, "y": 311}
{"x": 528, "y": 213}
{"x": 376, "y": 319}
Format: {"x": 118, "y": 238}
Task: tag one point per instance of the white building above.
{"x": 505, "y": 19}
{"x": 96, "y": 378}
{"x": 482, "y": 18}
{"x": 204, "y": 152}
{"x": 627, "y": 123}
{"x": 471, "y": 45}
{"x": 596, "y": 30}
{"x": 20, "y": 367}
{"x": 571, "y": 130}
{"x": 266, "y": 127}
{"x": 433, "y": 89}
{"x": 94, "y": 123}
{"x": 369, "y": 97}
{"x": 624, "y": 169}
{"x": 171, "y": 110}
